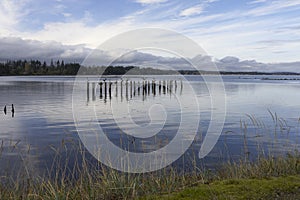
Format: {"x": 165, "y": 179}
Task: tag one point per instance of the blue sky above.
{"x": 262, "y": 30}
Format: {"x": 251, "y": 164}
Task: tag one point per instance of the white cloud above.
{"x": 195, "y": 10}
{"x": 150, "y": 1}
{"x": 11, "y": 11}
{"x": 234, "y": 32}
{"x": 257, "y": 1}
{"x": 274, "y": 7}
{"x": 211, "y": 1}
{"x": 66, "y": 14}
{"x": 13, "y": 48}
{"x": 231, "y": 63}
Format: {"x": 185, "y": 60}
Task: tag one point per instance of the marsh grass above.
{"x": 75, "y": 175}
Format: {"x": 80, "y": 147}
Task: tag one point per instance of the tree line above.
{"x": 59, "y": 67}
{"x": 36, "y": 67}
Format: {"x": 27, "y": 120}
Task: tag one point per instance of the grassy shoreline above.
{"x": 283, "y": 187}
{"x": 265, "y": 178}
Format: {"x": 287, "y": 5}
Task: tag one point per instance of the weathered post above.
{"x": 93, "y": 91}
{"x": 181, "y": 87}
{"x": 101, "y": 94}
{"x": 88, "y": 91}
{"x": 105, "y": 90}
{"x": 164, "y": 86}
{"x": 131, "y": 90}
{"x": 109, "y": 89}
{"x": 126, "y": 88}
{"x": 121, "y": 90}
{"x": 148, "y": 88}
{"x": 145, "y": 88}
{"x": 171, "y": 87}
{"x": 159, "y": 87}
{"x": 153, "y": 87}
{"x": 139, "y": 88}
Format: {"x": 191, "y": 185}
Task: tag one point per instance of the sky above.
{"x": 237, "y": 34}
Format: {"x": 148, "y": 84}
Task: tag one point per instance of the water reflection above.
{"x": 131, "y": 88}
{"x": 129, "y": 109}
{"x": 43, "y": 113}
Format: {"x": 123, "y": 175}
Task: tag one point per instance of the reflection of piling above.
{"x": 175, "y": 86}
{"x": 12, "y": 110}
{"x": 134, "y": 88}
{"x": 109, "y": 89}
{"x": 88, "y": 91}
{"x": 148, "y": 89}
{"x": 159, "y": 87}
{"x": 101, "y": 90}
{"x": 93, "y": 91}
{"x": 4, "y": 109}
{"x": 144, "y": 89}
{"x": 121, "y": 90}
{"x": 167, "y": 82}
{"x": 116, "y": 83}
{"x": 171, "y": 87}
{"x": 153, "y": 87}
{"x": 181, "y": 87}
{"x": 139, "y": 88}
{"x": 164, "y": 87}
{"x": 126, "y": 88}
{"x": 105, "y": 91}
{"x": 131, "y": 90}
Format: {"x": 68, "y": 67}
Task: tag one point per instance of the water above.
{"x": 44, "y": 118}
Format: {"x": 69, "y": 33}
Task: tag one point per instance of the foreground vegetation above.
{"x": 271, "y": 188}
{"x": 74, "y": 175}
{"x": 265, "y": 178}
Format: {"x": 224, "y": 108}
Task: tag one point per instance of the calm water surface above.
{"x": 43, "y": 117}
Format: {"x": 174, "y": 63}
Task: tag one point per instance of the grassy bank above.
{"x": 265, "y": 178}
{"x": 285, "y": 187}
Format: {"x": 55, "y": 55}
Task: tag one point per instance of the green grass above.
{"x": 272, "y": 188}
{"x": 266, "y": 178}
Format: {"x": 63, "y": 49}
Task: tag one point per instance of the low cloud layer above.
{"x": 230, "y": 63}
{"x": 12, "y": 48}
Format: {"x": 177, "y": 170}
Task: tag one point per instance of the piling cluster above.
{"x": 131, "y": 88}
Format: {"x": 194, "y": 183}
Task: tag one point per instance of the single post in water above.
{"x": 88, "y": 91}
{"x": 100, "y": 90}
{"x": 105, "y": 91}
{"x": 93, "y": 91}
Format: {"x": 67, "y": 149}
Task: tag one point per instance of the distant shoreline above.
{"x": 157, "y": 72}
{"x": 60, "y": 68}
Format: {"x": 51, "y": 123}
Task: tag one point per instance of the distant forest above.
{"x": 59, "y": 67}
{"x": 36, "y": 67}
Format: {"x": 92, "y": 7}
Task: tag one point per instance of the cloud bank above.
{"x": 13, "y": 48}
